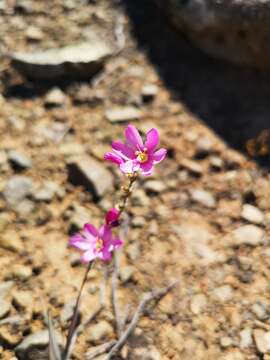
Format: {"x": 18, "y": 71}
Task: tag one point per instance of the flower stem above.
{"x": 126, "y": 193}
{"x": 74, "y": 320}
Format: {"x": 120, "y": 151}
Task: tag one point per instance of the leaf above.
{"x": 54, "y": 349}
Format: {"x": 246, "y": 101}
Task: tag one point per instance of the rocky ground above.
{"x": 202, "y": 219}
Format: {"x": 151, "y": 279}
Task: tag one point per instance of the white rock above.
{"x": 248, "y": 235}
{"x": 204, "y": 198}
{"x": 252, "y": 214}
{"x": 198, "y": 303}
{"x": 223, "y": 293}
{"x": 262, "y": 340}
{"x": 123, "y": 114}
{"x": 245, "y": 338}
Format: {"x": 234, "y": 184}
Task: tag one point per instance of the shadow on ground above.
{"x": 233, "y": 101}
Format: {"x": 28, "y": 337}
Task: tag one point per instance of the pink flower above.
{"x": 135, "y": 155}
{"x": 95, "y": 243}
{"x": 112, "y": 217}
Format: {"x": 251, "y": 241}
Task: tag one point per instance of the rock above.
{"x": 5, "y": 288}
{"x": 260, "y": 310}
{"x": 91, "y": 174}
{"x": 204, "y": 198}
{"x": 192, "y": 166}
{"x": 67, "y": 312}
{"x": 133, "y": 251}
{"x": 55, "y": 97}
{"x": 100, "y": 331}
{"x": 252, "y": 214}
{"x": 198, "y": 304}
{"x": 262, "y": 340}
{"x": 138, "y": 221}
{"x": 234, "y": 30}
{"x": 5, "y": 220}
{"x": 123, "y": 114}
{"x": 154, "y": 186}
{"x": 126, "y": 273}
{"x": 248, "y": 235}
{"x": 245, "y": 338}
{"x": 11, "y": 241}
{"x": 17, "y": 188}
{"x": 71, "y": 149}
{"x": 216, "y": 162}
{"x": 223, "y": 293}
{"x": 142, "y": 353}
{"x": 18, "y": 160}
{"x": 234, "y": 355}
{"x": 74, "y": 61}
{"x": 25, "y": 208}
{"x": 21, "y": 271}
{"x": 226, "y": 342}
{"x": 35, "y": 345}
{"x": 4, "y": 308}
{"x": 34, "y": 34}
{"x": 8, "y": 338}
{"x": 48, "y": 191}
{"x": 23, "y": 300}
{"x": 149, "y": 92}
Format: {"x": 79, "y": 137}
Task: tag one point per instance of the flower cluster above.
{"x": 132, "y": 156}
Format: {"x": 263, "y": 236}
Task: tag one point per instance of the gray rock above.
{"x": 133, "y": 251}
{"x": 17, "y": 188}
{"x": 252, "y": 214}
{"x": 19, "y": 160}
{"x": 248, "y": 235}
{"x": 126, "y": 273}
{"x": 91, "y": 174}
{"x": 123, "y": 114}
{"x": 35, "y": 344}
{"x": 25, "y": 208}
{"x": 142, "y": 353}
{"x": 204, "y": 198}
{"x": 48, "y": 191}
{"x": 235, "y": 30}
{"x": 74, "y": 61}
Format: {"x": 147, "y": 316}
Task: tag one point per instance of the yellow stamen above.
{"x": 99, "y": 244}
{"x": 142, "y": 157}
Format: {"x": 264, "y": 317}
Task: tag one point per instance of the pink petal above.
{"x": 152, "y": 140}
{"x": 78, "y": 242}
{"x": 105, "y": 254}
{"x": 89, "y": 228}
{"x": 88, "y": 256}
{"x": 105, "y": 234}
{"x": 125, "y": 152}
{"x": 159, "y": 155}
{"x": 129, "y": 167}
{"x": 113, "y": 157}
{"x": 147, "y": 168}
{"x": 133, "y": 138}
{"x": 116, "y": 244}
{"x": 112, "y": 216}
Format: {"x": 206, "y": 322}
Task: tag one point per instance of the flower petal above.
{"x": 129, "y": 167}
{"x": 112, "y": 216}
{"x": 125, "y": 152}
{"x": 116, "y": 243}
{"x": 133, "y": 138}
{"x": 147, "y": 168}
{"x": 105, "y": 234}
{"x": 89, "y": 228}
{"x": 159, "y": 155}
{"x": 152, "y": 140}
{"x": 88, "y": 256}
{"x": 79, "y": 242}
{"x": 113, "y": 157}
{"x": 105, "y": 254}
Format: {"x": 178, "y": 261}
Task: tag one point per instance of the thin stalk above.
{"x": 75, "y": 315}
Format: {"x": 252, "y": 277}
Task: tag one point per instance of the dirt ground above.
{"x": 203, "y": 218}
